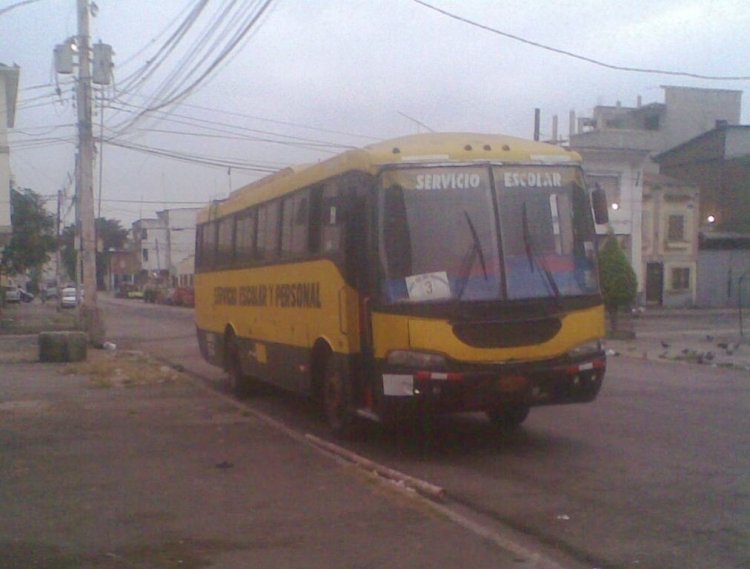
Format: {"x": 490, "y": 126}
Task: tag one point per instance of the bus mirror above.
{"x": 599, "y": 204}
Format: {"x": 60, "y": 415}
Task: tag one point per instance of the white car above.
{"x": 70, "y": 298}
{"x": 13, "y": 294}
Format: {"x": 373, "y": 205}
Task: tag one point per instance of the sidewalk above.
{"x": 120, "y": 462}
{"x": 694, "y": 336}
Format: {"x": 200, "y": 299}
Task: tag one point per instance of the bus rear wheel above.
{"x": 239, "y": 383}
{"x": 337, "y": 401}
{"x": 509, "y": 416}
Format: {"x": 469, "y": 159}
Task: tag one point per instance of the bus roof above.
{"x": 432, "y": 148}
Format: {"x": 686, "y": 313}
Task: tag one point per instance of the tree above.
{"x": 618, "y": 280}
{"x": 109, "y": 234}
{"x": 33, "y": 236}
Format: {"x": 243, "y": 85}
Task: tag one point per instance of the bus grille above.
{"x": 499, "y": 334}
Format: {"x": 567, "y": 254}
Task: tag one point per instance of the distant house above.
{"x": 124, "y": 267}
{"x": 669, "y": 241}
{"x": 718, "y": 164}
{"x": 165, "y": 246}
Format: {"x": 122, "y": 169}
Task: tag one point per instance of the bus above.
{"x": 433, "y": 273}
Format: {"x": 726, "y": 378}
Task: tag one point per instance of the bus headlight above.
{"x": 587, "y": 349}
{"x": 422, "y": 360}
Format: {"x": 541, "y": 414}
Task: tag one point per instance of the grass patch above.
{"x": 124, "y": 368}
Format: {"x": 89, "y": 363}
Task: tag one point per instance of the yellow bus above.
{"x": 434, "y": 273}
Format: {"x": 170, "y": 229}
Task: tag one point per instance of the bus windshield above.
{"x": 475, "y": 234}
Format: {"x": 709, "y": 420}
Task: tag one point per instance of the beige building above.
{"x": 8, "y": 96}
{"x": 669, "y": 241}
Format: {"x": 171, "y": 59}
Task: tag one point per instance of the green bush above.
{"x": 618, "y": 281}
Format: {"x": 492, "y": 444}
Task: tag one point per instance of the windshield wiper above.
{"x": 474, "y": 251}
{"x": 534, "y": 258}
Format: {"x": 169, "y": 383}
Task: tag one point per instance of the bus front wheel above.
{"x": 508, "y": 417}
{"x": 337, "y": 400}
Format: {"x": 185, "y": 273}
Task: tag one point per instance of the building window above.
{"x": 144, "y": 233}
{"x": 646, "y": 231}
{"x": 676, "y": 228}
{"x": 681, "y": 278}
{"x": 145, "y": 255}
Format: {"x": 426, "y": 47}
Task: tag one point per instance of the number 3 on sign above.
{"x": 428, "y": 286}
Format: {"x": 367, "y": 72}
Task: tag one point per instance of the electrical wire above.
{"x": 185, "y": 80}
{"x": 215, "y": 126}
{"x": 16, "y": 5}
{"x": 578, "y": 56}
{"x": 195, "y": 159}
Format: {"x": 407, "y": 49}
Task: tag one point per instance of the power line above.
{"x": 171, "y": 202}
{"x": 16, "y": 5}
{"x": 577, "y": 56}
{"x": 195, "y": 159}
{"x": 183, "y": 80}
{"x": 289, "y": 140}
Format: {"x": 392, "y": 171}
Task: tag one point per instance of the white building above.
{"x": 8, "y": 96}
{"x": 165, "y": 244}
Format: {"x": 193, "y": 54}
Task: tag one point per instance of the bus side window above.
{"x": 198, "y": 245}
{"x": 315, "y": 217}
{"x": 244, "y": 238}
{"x": 208, "y": 245}
{"x": 225, "y": 242}
{"x": 331, "y": 215}
{"x": 294, "y": 218}
{"x": 267, "y": 247}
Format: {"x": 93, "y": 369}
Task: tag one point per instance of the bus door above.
{"x": 359, "y": 275}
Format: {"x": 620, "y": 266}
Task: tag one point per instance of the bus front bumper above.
{"x": 532, "y": 384}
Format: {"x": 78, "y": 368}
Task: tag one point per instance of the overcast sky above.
{"x": 313, "y": 77}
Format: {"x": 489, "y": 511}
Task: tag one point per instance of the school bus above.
{"x": 430, "y": 273}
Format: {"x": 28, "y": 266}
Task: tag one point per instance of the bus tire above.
{"x": 337, "y": 400}
{"x": 239, "y": 383}
{"x": 508, "y": 417}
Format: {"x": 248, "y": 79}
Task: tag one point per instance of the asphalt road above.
{"x": 655, "y": 473}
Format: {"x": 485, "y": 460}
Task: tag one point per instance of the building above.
{"x": 718, "y": 163}
{"x": 669, "y": 241}
{"x": 618, "y": 144}
{"x": 164, "y": 244}
{"x": 8, "y": 97}
{"x": 123, "y": 269}
{"x": 685, "y": 113}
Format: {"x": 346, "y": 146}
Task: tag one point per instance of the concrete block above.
{"x": 62, "y": 346}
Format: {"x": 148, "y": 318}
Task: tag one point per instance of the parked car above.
{"x": 13, "y": 294}
{"x": 50, "y": 292}
{"x": 25, "y": 295}
{"x": 70, "y": 297}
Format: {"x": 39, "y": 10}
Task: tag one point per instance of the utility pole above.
{"x": 58, "y": 257}
{"x": 92, "y": 317}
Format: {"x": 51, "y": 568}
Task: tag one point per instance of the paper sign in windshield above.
{"x": 428, "y": 286}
